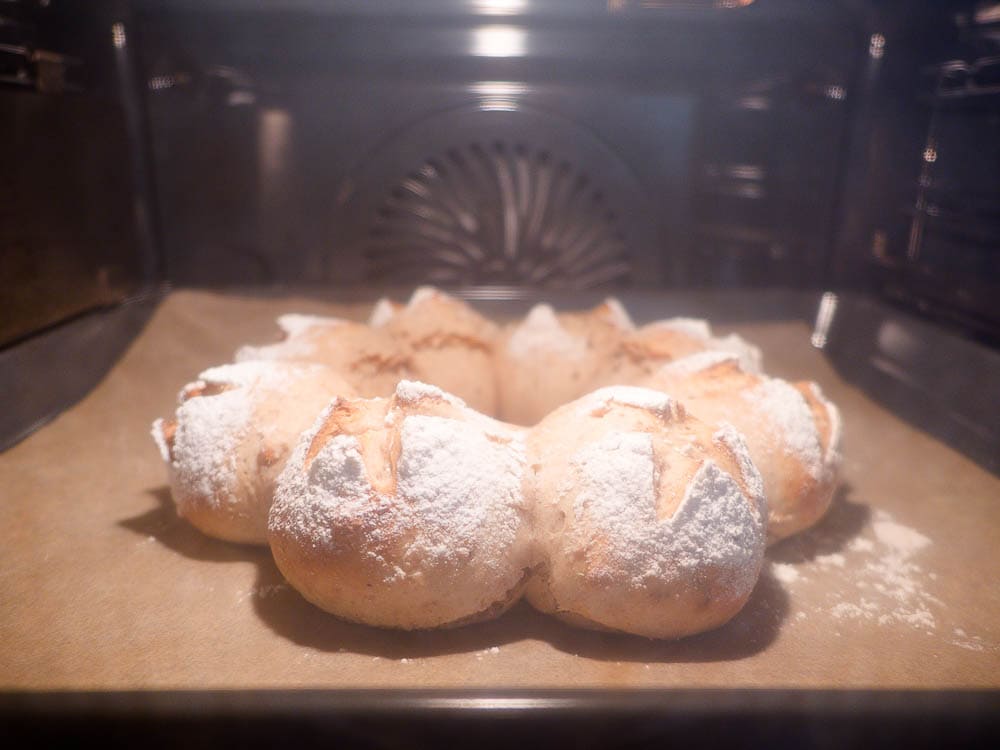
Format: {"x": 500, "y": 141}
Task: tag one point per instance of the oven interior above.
{"x": 836, "y": 162}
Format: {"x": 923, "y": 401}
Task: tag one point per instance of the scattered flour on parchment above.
{"x": 785, "y": 573}
{"x": 861, "y": 545}
{"x": 875, "y": 578}
{"x": 903, "y": 540}
{"x": 968, "y": 642}
{"x": 264, "y": 591}
{"x": 889, "y": 578}
{"x": 835, "y": 559}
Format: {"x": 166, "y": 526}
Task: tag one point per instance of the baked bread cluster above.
{"x": 429, "y": 468}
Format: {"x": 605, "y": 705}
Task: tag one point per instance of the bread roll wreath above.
{"x": 633, "y": 485}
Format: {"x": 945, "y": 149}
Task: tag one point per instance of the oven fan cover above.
{"x": 481, "y": 197}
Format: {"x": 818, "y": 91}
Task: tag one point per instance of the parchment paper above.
{"x": 102, "y": 587}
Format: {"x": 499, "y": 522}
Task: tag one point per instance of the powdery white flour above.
{"x": 749, "y": 356}
{"x": 714, "y": 528}
{"x": 876, "y": 578}
{"x": 541, "y": 331}
{"x": 698, "y": 362}
{"x": 785, "y": 573}
{"x": 457, "y": 497}
{"x": 657, "y": 402}
{"x": 293, "y": 323}
{"x": 210, "y": 430}
{"x": 789, "y": 416}
{"x": 383, "y": 311}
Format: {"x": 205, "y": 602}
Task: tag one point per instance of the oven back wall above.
{"x": 565, "y": 145}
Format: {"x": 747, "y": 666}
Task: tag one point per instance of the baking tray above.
{"x": 114, "y": 608}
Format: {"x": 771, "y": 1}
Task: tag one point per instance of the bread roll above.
{"x": 230, "y": 438}
{"x": 793, "y": 432}
{"x": 370, "y": 360}
{"x": 445, "y": 342}
{"x": 644, "y": 350}
{"x": 648, "y": 521}
{"x": 406, "y": 512}
{"x": 551, "y": 358}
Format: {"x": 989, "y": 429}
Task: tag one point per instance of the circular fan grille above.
{"x": 497, "y": 213}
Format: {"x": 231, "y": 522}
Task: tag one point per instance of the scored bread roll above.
{"x": 446, "y": 342}
{"x": 647, "y": 520}
{"x": 406, "y": 512}
{"x": 229, "y": 439}
{"x": 644, "y": 350}
{"x": 551, "y": 358}
{"x": 793, "y": 432}
{"x": 370, "y": 360}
